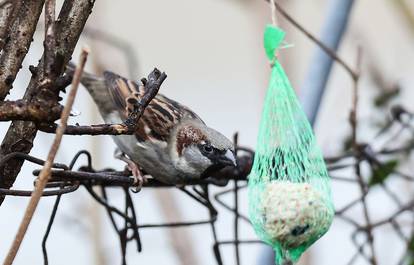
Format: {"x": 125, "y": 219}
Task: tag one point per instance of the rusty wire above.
{"x": 65, "y": 180}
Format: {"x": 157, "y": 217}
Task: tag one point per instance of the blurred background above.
{"x": 212, "y": 52}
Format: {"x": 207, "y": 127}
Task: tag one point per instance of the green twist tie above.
{"x": 273, "y": 37}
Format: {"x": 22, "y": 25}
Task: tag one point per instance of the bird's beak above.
{"x": 229, "y": 159}
{"x": 219, "y": 162}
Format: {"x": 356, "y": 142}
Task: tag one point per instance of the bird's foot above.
{"x": 139, "y": 178}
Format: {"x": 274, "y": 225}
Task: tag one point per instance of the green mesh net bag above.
{"x": 290, "y": 203}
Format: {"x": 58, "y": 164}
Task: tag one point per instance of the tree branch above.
{"x": 18, "y": 43}
{"x": 7, "y": 15}
{"x": 152, "y": 85}
{"x": 50, "y": 41}
{"x": 42, "y": 88}
{"x": 33, "y": 111}
{"x": 98, "y": 129}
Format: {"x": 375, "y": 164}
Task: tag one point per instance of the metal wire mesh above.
{"x": 66, "y": 180}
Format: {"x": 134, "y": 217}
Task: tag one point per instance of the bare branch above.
{"x": 34, "y": 111}
{"x": 153, "y": 84}
{"x": 50, "y": 40}
{"x": 18, "y": 43}
{"x": 7, "y": 15}
{"x": 42, "y": 88}
{"x": 98, "y": 129}
{"x": 45, "y": 173}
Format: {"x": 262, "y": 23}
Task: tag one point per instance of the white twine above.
{"x": 273, "y": 12}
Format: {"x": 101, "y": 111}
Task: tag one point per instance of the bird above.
{"x": 172, "y": 143}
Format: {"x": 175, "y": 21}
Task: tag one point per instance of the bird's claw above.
{"x": 139, "y": 178}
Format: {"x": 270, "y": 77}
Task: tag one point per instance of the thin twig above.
{"x": 236, "y": 204}
{"x": 357, "y": 149}
{"x": 152, "y": 86}
{"x": 45, "y": 173}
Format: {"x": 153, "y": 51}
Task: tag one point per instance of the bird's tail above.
{"x": 88, "y": 80}
{"x": 96, "y": 87}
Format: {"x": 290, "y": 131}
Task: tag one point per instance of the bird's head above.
{"x": 199, "y": 150}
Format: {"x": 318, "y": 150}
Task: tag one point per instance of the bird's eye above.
{"x": 207, "y": 148}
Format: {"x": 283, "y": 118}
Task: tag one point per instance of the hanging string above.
{"x": 275, "y": 23}
{"x": 273, "y": 12}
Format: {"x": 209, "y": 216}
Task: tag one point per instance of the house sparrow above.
{"x": 171, "y": 143}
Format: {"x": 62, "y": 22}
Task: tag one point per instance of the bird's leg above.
{"x": 139, "y": 178}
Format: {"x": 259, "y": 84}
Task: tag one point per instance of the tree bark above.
{"x": 20, "y": 110}
{"x": 42, "y": 87}
{"x": 17, "y": 43}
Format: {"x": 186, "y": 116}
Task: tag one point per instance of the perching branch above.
{"x": 152, "y": 85}
{"x": 98, "y": 129}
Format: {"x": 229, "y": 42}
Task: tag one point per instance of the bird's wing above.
{"x": 161, "y": 115}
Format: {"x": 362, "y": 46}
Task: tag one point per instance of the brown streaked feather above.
{"x": 189, "y": 135}
{"x": 159, "y": 118}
